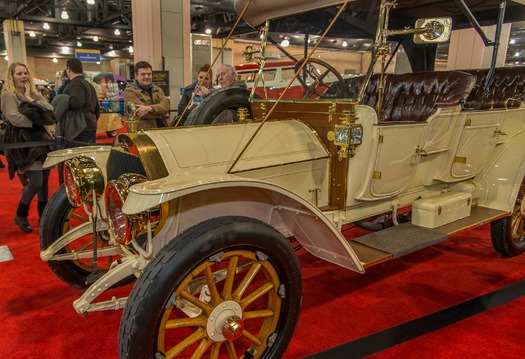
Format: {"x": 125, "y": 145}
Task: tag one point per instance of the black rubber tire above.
{"x": 112, "y": 134}
{"x": 54, "y": 223}
{"x": 149, "y": 299}
{"x": 508, "y": 233}
{"x": 228, "y": 99}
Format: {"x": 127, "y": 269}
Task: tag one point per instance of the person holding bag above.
{"x": 27, "y": 113}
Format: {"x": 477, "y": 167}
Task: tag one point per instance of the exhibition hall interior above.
{"x": 262, "y": 179}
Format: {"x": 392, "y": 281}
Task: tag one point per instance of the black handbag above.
{"x": 37, "y": 114}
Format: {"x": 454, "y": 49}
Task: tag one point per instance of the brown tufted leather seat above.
{"x": 370, "y": 95}
{"x": 507, "y": 83}
{"x": 414, "y": 97}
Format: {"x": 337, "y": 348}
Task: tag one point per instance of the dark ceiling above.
{"x": 356, "y": 25}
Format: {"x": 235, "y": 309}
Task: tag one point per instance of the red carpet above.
{"x": 37, "y": 318}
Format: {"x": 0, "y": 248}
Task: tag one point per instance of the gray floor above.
{"x": 5, "y": 254}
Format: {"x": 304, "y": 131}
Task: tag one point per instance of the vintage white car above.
{"x": 207, "y": 218}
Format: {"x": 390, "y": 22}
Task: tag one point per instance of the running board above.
{"x": 394, "y": 242}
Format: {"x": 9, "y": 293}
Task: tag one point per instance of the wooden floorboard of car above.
{"x": 478, "y": 217}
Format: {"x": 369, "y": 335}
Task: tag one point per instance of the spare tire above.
{"x": 229, "y": 100}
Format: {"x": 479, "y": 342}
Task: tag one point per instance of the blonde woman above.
{"x": 19, "y": 89}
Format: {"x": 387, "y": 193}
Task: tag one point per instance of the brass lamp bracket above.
{"x": 347, "y": 135}
{"x": 132, "y": 119}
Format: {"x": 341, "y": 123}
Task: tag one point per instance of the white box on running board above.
{"x": 438, "y": 210}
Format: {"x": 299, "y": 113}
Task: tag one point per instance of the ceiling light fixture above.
{"x": 55, "y": 60}
{"x": 95, "y": 38}
{"x": 131, "y": 49}
{"x": 285, "y": 43}
{"x": 46, "y": 26}
{"x": 6, "y": 58}
{"x": 79, "y": 44}
{"x": 64, "y": 15}
{"x": 91, "y": 2}
{"x": 344, "y": 44}
{"x": 208, "y": 31}
{"x": 512, "y": 41}
{"x": 117, "y": 32}
{"x": 32, "y": 34}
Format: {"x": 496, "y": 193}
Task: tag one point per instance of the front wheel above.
{"x": 60, "y": 217}
{"x": 508, "y": 233}
{"x": 229, "y": 287}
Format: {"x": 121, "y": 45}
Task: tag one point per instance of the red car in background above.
{"x": 276, "y": 77}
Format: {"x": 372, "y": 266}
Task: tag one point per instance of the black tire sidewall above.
{"x": 502, "y": 241}
{"x": 52, "y": 223}
{"x": 174, "y": 262}
{"x": 217, "y": 102}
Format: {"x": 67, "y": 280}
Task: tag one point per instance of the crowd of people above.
{"x": 27, "y": 113}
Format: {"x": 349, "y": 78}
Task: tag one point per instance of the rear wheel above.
{"x": 229, "y": 287}
{"x": 508, "y": 233}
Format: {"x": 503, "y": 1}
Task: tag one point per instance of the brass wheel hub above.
{"x": 224, "y": 322}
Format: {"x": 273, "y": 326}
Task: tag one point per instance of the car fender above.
{"x": 195, "y": 198}
{"x": 99, "y": 154}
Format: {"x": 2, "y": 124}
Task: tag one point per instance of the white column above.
{"x": 176, "y": 45}
{"x": 467, "y": 51}
{"x": 15, "y": 41}
{"x": 161, "y": 36}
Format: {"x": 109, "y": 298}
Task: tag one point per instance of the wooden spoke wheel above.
{"x": 226, "y": 288}
{"x": 508, "y": 233}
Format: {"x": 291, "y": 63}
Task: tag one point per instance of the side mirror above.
{"x": 432, "y": 31}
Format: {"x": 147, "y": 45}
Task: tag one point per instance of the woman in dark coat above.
{"x": 20, "y": 102}
{"x": 204, "y": 77}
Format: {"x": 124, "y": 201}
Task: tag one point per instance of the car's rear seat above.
{"x": 414, "y": 97}
{"x": 508, "y": 83}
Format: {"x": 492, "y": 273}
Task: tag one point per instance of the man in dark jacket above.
{"x": 83, "y": 96}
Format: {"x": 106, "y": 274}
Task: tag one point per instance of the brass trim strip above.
{"x": 459, "y": 159}
{"x": 150, "y": 157}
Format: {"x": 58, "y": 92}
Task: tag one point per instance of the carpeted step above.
{"x": 403, "y": 239}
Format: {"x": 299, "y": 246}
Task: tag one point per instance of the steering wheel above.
{"x": 318, "y": 74}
